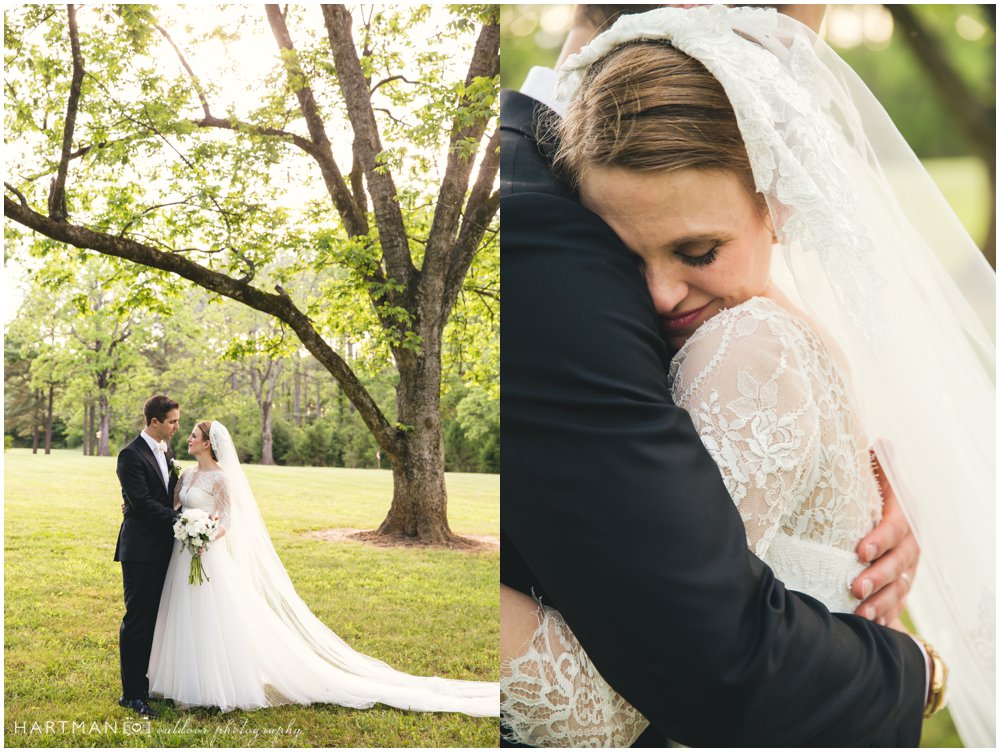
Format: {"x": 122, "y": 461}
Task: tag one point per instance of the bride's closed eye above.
{"x": 700, "y": 260}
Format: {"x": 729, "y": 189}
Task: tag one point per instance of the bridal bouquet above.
{"x": 195, "y": 529}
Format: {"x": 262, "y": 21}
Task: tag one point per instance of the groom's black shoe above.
{"x": 140, "y": 707}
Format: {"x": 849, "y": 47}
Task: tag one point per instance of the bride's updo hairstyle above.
{"x": 647, "y": 106}
{"x": 205, "y": 427}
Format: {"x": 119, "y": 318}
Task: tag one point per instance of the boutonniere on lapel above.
{"x": 175, "y": 468}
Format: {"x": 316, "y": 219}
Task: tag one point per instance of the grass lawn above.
{"x": 427, "y": 612}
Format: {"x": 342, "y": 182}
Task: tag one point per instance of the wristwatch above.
{"x": 938, "y": 679}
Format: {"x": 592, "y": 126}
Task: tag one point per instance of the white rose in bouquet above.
{"x": 195, "y": 529}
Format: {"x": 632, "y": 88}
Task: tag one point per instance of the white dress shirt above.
{"x": 161, "y": 457}
{"x": 540, "y": 85}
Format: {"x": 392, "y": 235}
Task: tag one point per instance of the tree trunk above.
{"x": 419, "y": 499}
{"x": 103, "y": 449}
{"x": 93, "y": 429}
{"x": 48, "y": 420}
{"x": 86, "y": 430}
{"x": 989, "y": 243}
{"x": 35, "y": 419}
{"x": 297, "y": 404}
{"x": 267, "y": 441}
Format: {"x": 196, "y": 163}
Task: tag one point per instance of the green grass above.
{"x": 428, "y": 612}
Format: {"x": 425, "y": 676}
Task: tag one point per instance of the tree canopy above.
{"x": 340, "y": 179}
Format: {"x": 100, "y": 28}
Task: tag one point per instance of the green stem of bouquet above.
{"x": 197, "y": 573}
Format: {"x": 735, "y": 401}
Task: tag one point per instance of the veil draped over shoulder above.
{"x": 337, "y": 664}
{"x": 874, "y": 253}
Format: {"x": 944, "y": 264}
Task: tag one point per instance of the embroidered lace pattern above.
{"x": 774, "y": 412}
{"x": 208, "y": 490}
{"x": 553, "y": 696}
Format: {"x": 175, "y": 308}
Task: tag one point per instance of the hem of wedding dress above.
{"x": 223, "y": 709}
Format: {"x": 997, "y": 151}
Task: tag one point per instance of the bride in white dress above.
{"x": 878, "y": 347}
{"x": 244, "y": 639}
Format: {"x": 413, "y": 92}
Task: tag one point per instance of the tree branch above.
{"x": 146, "y": 211}
{"x": 57, "y": 196}
{"x": 485, "y": 64}
{"x": 194, "y": 79}
{"x": 368, "y": 146}
{"x": 277, "y": 305}
{"x": 210, "y": 121}
{"x": 351, "y": 214}
{"x": 16, "y": 192}
{"x": 390, "y": 79}
{"x": 479, "y": 211}
{"x": 237, "y": 125}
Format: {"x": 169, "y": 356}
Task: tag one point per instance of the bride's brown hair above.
{"x": 205, "y": 427}
{"x": 647, "y": 106}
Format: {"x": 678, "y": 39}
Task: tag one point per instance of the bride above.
{"x": 705, "y": 138}
{"x": 244, "y": 639}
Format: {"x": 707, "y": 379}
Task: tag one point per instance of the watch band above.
{"x": 938, "y": 679}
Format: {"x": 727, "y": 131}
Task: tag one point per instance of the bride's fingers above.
{"x": 883, "y": 587}
{"x": 894, "y": 527}
{"x": 902, "y": 557}
{"x": 888, "y": 534}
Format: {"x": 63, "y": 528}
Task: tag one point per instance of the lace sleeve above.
{"x": 743, "y": 378}
{"x": 551, "y": 695}
{"x": 220, "y": 489}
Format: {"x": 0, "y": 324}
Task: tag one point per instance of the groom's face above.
{"x": 702, "y": 239}
{"x": 163, "y": 431}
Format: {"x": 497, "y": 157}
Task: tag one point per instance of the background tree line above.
{"x": 81, "y": 357}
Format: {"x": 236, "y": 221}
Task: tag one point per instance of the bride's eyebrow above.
{"x": 696, "y": 239}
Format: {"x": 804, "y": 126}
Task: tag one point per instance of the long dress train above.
{"x": 221, "y": 644}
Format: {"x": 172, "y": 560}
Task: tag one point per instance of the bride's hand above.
{"x": 894, "y": 554}
{"x": 221, "y": 530}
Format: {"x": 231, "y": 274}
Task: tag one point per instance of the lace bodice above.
{"x": 207, "y": 490}
{"x": 775, "y": 413}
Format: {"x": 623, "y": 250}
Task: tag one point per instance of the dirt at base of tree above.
{"x": 469, "y": 543}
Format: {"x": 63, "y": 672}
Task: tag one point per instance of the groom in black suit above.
{"x": 615, "y": 514}
{"x": 145, "y": 541}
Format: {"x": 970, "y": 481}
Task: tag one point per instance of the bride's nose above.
{"x": 667, "y": 289}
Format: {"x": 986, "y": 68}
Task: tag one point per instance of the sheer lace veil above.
{"x": 250, "y": 546}
{"x": 873, "y": 252}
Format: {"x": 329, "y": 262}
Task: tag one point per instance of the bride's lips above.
{"x": 683, "y": 321}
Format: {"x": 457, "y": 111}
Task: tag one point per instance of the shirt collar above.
{"x": 149, "y": 440}
{"x": 540, "y": 85}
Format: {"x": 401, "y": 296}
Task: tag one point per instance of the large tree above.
{"x": 158, "y": 160}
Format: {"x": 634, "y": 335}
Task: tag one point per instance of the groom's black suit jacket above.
{"x": 614, "y": 513}
{"x": 146, "y": 532}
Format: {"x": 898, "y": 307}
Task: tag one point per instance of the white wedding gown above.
{"x": 773, "y": 408}
{"x": 220, "y": 644}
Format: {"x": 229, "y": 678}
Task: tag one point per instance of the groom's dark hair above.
{"x": 158, "y": 407}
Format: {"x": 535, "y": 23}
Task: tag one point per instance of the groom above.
{"x": 145, "y": 541}
{"x": 614, "y": 513}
